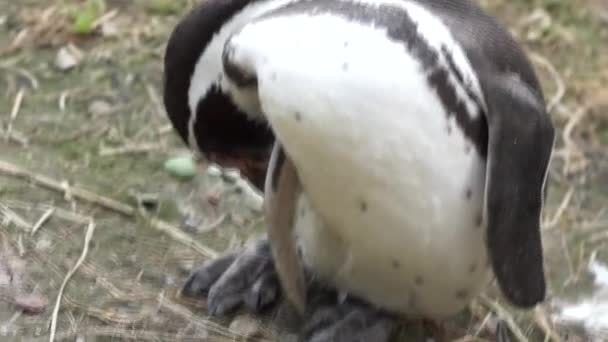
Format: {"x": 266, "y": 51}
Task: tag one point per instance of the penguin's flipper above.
{"x": 519, "y": 150}
{"x": 282, "y": 186}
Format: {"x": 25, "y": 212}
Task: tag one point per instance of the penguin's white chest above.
{"x": 392, "y": 212}
{"x": 392, "y": 209}
{"x": 393, "y": 189}
{"x": 405, "y": 236}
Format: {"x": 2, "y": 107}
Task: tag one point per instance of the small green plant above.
{"x": 86, "y": 15}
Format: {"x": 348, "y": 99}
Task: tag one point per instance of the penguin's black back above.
{"x": 488, "y": 44}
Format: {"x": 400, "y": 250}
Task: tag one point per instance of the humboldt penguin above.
{"x": 410, "y": 148}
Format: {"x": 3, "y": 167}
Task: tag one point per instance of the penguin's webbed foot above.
{"x": 350, "y": 321}
{"x": 244, "y": 278}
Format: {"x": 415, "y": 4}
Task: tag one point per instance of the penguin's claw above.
{"x": 349, "y": 322}
{"x": 246, "y": 278}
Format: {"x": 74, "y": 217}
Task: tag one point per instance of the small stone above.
{"x": 31, "y": 304}
{"x": 109, "y": 29}
{"x": 100, "y": 107}
{"x": 246, "y": 326}
{"x": 67, "y": 58}
{"x": 43, "y": 244}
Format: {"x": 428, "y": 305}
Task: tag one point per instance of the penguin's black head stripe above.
{"x": 220, "y": 128}
{"x": 186, "y": 44}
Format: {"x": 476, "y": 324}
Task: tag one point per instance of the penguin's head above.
{"x": 218, "y": 128}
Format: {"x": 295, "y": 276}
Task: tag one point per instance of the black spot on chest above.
{"x": 469, "y": 194}
{"x": 187, "y": 43}
{"x": 461, "y": 294}
{"x": 363, "y": 206}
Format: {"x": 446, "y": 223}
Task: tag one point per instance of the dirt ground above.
{"x": 84, "y": 139}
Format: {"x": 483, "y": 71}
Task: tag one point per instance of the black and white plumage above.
{"x": 417, "y": 128}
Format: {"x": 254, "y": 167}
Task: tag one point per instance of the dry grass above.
{"x": 83, "y": 137}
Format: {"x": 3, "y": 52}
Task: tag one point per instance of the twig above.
{"x": 568, "y": 257}
{"x": 155, "y": 100}
{"x": 569, "y": 145}
{"x": 212, "y": 225}
{"x": 16, "y": 171}
{"x": 63, "y": 97}
{"x": 540, "y": 317}
{"x": 506, "y": 316}
{"x": 15, "y": 136}
{"x": 129, "y": 149}
{"x": 42, "y": 220}
{"x": 75, "y": 135}
{"x": 166, "y": 129}
{"x": 85, "y": 250}
{"x": 108, "y": 203}
{"x": 27, "y": 74}
{"x": 180, "y": 236}
{"x": 557, "y": 79}
{"x": 561, "y": 209}
{"x": 575, "y": 119}
{"x": 112, "y": 316}
{"x": 105, "y": 18}
{"x": 483, "y": 324}
{"x": 122, "y": 334}
{"x": 14, "y": 113}
{"x": 189, "y": 316}
{"x": 470, "y": 339}
{"x": 13, "y": 217}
